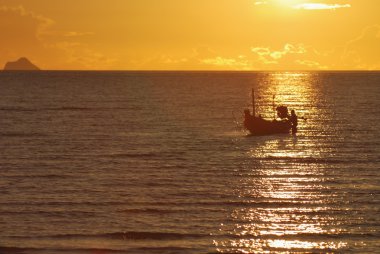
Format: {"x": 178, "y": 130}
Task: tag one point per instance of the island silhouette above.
{"x": 22, "y": 64}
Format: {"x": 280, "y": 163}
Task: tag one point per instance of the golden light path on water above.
{"x": 285, "y": 203}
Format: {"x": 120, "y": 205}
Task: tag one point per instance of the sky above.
{"x": 192, "y": 35}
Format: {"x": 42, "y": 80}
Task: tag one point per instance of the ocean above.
{"x": 158, "y": 162}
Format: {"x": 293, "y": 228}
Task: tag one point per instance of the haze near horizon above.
{"x": 192, "y": 35}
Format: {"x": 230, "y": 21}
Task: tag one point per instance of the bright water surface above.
{"x": 139, "y": 162}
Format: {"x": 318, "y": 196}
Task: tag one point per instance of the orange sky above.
{"x": 192, "y": 35}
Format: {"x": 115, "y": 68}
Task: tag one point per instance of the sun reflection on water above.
{"x": 294, "y": 90}
{"x": 284, "y": 244}
{"x": 284, "y": 199}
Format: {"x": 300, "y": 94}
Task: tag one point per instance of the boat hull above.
{"x": 259, "y": 127}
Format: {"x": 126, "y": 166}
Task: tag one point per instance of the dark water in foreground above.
{"x": 122, "y": 162}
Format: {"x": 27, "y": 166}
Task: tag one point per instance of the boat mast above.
{"x": 253, "y": 103}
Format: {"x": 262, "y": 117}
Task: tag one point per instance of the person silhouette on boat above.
{"x": 294, "y": 120}
{"x": 247, "y": 118}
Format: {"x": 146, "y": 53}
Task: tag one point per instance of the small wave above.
{"x": 217, "y": 205}
{"x": 161, "y": 236}
{"x": 152, "y": 211}
{"x": 263, "y": 204}
{"x": 83, "y": 108}
{"x": 62, "y": 214}
{"x": 15, "y": 250}
{"x": 70, "y": 109}
{"x": 17, "y": 109}
{"x": 304, "y": 236}
{"x": 49, "y": 176}
{"x": 21, "y": 134}
{"x": 135, "y": 235}
{"x": 309, "y": 160}
{"x": 19, "y": 250}
{"x": 168, "y": 250}
{"x": 24, "y": 109}
{"x": 171, "y": 249}
{"x": 204, "y": 205}
{"x": 132, "y": 155}
{"x": 64, "y": 203}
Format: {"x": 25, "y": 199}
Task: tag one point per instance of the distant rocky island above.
{"x": 22, "y": 64}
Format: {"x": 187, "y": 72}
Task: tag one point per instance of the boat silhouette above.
{"x": 259, "y": 126}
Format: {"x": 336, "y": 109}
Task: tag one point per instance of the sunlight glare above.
{"x": 319, "y": 6}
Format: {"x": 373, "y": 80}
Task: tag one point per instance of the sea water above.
{"x": 158, "y": 162}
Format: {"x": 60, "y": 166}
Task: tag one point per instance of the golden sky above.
{"x": 192, "y": 34}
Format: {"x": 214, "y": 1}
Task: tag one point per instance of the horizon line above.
{"x": 131, "y": 70}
